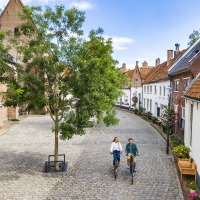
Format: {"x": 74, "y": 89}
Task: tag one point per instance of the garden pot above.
{"x": 192, "y": 190}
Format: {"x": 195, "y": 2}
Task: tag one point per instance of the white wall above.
{"x": 157, "y": 99}
{"x": 127, "y": 96}
{"x": 194, "y": 142}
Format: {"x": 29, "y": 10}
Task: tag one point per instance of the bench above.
{"x": 185, "y": 162}
{"x": 189, "y": 169}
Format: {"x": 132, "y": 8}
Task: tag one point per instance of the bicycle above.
{"x": 115, "y": 165}
{"x": 132, "y": 168}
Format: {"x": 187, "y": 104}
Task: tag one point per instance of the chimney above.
{"x": 157, "y": 61}
{"x": 124, "y": 67}
{"x": 177, "y": 51}
{"x": 169, "y": 56}
{"x": 145, "y": 64}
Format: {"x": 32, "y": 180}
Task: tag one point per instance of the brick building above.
{"x": 181, "y": 74}
{"x": 9, "y": 20}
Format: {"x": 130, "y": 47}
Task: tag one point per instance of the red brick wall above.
{"x": 177, "y": 98}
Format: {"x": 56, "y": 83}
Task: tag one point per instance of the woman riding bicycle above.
{"x": 115, "y": 149}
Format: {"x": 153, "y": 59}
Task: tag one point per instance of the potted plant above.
{"x": 192, "y": 186}
{"x": 181, "y": 151}
{"x": 194, "y": 196}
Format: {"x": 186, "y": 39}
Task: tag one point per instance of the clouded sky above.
{"x": 141, "y": 29}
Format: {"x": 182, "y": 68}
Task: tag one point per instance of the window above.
{"x": 183, "y": 113}
{"x": 185, "y": 82}
{"x": 176, "y": 85}
{"x": 150, "y": 89}
{"x": 147, "y": 89}
{"x": 147, "y": 104}
{"x": 164, "y": 91}
{"x": 155, "y": 89}
{"x": 176, "y": 108}
{"x": 144, "y": 89}
{"x": 150, "y": 106}
{"x": 160, "y": 90}
{"x": 136, "y": 83}
{"x": 144, "y": 103}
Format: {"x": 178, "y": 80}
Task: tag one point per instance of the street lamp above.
{"x": 169, "y": 90}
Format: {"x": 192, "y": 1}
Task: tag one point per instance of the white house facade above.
{"x": 192, "y": 121}
{"x": 155, "y": 97}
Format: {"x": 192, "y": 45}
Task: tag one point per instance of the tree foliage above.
{"x": 194, "y": 37}
{"x": 75, "y": 79}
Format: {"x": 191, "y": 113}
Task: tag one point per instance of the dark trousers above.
{"x": 116, "y": 156}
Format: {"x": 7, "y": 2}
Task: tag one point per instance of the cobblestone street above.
{"x": 25, "y": 147}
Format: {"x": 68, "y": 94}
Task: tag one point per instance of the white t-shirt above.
{"x": 116, "y": 147}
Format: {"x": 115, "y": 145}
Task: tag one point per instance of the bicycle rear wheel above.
{"x": 131, "y": 170}
{"x": 115, "y": 173}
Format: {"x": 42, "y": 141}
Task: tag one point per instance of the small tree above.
{"x": 194, "y": 37}
{"x": 74, "y": 79}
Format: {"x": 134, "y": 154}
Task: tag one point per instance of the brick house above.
{"x": 9, "y": 20}
{"x": 181, "y": 73}
{"x": 192, "y": 113}
{"x": 138, "y": 78}
{"x": 134, "y": 90}
{"x": 155, "y": 96}
{"x": 125, "y": 99}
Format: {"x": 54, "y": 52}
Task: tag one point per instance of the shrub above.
{"x": 153, "y": 119}
{"x": 176, "y": 141}
{"x": 181, "y": 151}
{"x": 194, "y": 196}
{"x": 14, "y": 120}
{"x": 192, "y": 185}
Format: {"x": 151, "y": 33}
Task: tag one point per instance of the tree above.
{"x": 194, "y": 37}
{"x": 75, "y": 79}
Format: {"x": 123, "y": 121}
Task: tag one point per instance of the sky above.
{"x": 141, "y": 30}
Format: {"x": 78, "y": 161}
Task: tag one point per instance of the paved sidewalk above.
{"x": 24, "y": 149}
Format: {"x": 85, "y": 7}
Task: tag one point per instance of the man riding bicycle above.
{"x": 131, "y": 150}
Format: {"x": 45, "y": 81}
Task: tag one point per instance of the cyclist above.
{"x": 116, "y": 149}
{"x": 131, "y": 149}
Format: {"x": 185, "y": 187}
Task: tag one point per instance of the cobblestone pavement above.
{"x": 24, "y": 149}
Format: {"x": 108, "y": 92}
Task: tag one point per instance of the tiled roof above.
{"x": 144, "y": 71}
{"x": 160, "y": 72}
{"x": 194, "y": 65}
{"x": 183, "y": 63}
{"x": 193, "y": 90}
{"x": 129, "y": 73}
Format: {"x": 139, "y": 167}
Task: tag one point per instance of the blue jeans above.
{"x": 116, "y": 155}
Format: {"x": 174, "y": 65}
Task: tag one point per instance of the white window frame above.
{"x": 183, "y": 113}
{"x": 176, "y": 108}
{"x": 187, "y": 78}
{"x": 175, "y": 89}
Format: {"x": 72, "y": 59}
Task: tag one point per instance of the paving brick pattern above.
{"x": 24, "y": 149}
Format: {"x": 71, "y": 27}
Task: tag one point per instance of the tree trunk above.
{"x": 56, "y": 166}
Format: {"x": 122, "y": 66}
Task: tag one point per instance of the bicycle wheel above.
{"x": 131, "y": 170}
{"x": 115, "y": 173}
